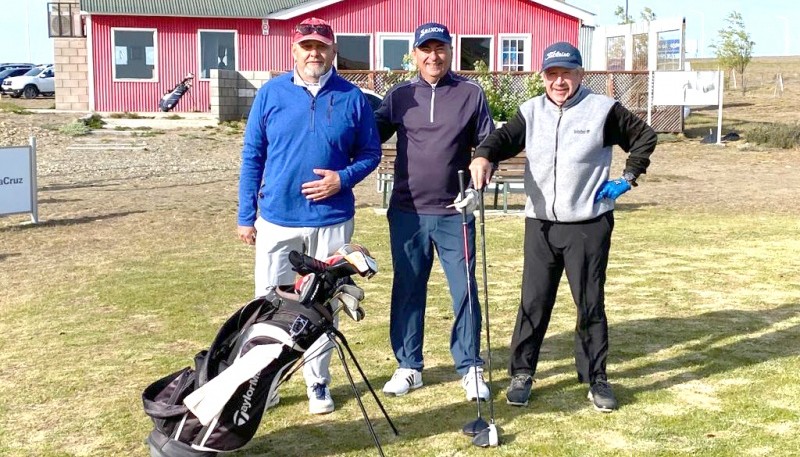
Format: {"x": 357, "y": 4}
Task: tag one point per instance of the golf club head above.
{"x": 487, "y": 437}
{"x": 475, "y": 427}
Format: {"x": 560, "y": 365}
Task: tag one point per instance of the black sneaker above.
{"x": 519, "y": 390}
{"x": 602, "y": 397}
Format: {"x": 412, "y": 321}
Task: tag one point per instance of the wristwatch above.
{"x": 630, "y": 177}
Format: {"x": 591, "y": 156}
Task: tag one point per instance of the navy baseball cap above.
{"x": 561, "y": 54}
{"x": 431, "y": 31}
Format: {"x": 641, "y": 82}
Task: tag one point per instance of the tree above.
{"x": 624, "y": 17}
{"x": 734, "y": 49}
{"x": 648, "y": 15}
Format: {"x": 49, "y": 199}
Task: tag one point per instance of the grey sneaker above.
{"x": 519, "y": 390}
{"x": 602, "y": 397}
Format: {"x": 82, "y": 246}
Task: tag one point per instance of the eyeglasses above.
{"x": 308, "y": 29}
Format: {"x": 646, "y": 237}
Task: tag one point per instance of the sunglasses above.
{"x": 308, "y": 29}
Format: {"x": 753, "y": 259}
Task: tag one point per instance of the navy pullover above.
{"x": 437, "y": 127}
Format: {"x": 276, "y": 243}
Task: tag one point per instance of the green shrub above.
{"x": 503, "y": 95}
{"x": 775, "y": 135}
{"x": 76, "y": 128}
{"x": 94, "y": 121}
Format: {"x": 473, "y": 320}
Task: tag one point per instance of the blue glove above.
{"x": 612, "y": 189}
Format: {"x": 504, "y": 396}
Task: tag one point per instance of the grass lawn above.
{"x": 704, "y": 312}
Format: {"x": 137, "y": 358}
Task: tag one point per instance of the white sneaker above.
{"x": 474, "y": 384}
{"x": 319, "y": 399}
{"x": 403, "y": 380}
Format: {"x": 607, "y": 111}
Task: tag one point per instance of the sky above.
{"x": 772, "y": 24}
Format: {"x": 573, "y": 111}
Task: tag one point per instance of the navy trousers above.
{"x": 413, "y": 238}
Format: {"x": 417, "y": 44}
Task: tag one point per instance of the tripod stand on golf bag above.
{"x": 170, "y": 99}
{"x": 217, "y": 405}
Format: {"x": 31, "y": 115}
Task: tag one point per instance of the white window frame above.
{"x": 491, "y": 50}
{"x": 380, "y": 37}
{"x": 371, "y": 48}
{"x": 200, "y": 51}
{"x": 526, "y": 38}
{"x": 114, "y": 47}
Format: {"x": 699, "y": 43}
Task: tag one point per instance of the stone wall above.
{"x": 232, "y": 92}
{"x": 72, "y": 72}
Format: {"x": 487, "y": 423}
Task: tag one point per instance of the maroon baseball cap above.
{"x": 313, "y": 29}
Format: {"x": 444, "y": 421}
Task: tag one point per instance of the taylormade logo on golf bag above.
{"x": 240, "y": 417}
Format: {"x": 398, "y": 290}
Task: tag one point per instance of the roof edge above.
{"x": 299, "y": 10}
{"x": 588, "y": 18}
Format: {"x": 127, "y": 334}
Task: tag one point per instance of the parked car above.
{"x": 10, "y": 72}
{"x": 38, "y": 80}
{"x": 373, "y": 98}
{"x": 7, "y": 65}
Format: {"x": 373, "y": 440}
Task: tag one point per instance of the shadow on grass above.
{"x": 704, "y": 353}
{"x": 72, "y": 221}
{"x": 4, "y": 256}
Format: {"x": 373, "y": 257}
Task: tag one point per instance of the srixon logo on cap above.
{"x": 553, "y": 54}
{"x": 424, "y": 32}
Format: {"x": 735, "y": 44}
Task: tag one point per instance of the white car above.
{"x": 39, "y": 80}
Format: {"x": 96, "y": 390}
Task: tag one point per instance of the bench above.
{"x": 385, "y": 172}
{"x": 510, "y": 171}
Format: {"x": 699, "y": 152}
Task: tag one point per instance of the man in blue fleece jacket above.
{"x": 310, "y": 138}
{"x": 438, "y": 117}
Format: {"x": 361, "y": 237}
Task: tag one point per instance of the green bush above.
{"x": 503, "y": 95}
{"x": 13, "y": 108}
{"x": 76, "y": 128}
{"x": 775, "y": 135}
{"x": 94, "y": 121}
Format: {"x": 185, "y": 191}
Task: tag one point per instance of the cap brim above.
{"x": 315, "y": 37}
{"x": 440, "y": 40}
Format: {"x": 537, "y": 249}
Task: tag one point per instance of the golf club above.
{"x": 474, "y": 427}
{"x": 487, "y": 437}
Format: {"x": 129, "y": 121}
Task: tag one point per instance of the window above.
{"x": 134, "y": 52}
{"x": 640, "y": 43}
{"x": 393, "y": 48}
{"x": 217, "y": 50}
{"x": 475, "y": 48}
{"x": 355, "y": 52}
{"x": 64, "y": 20}
{"x": 615, "y": 53}
{"x": 515, "y": 53}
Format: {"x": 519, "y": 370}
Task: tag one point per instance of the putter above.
{"x": 472, "y": 428}
{"x": 487, "y": 437}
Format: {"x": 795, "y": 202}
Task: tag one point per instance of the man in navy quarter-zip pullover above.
{"x": 567, "y": 134}
{"x": 310, "y": 138}
{"x": 438, "y": 118}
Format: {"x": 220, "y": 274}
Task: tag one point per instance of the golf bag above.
{"x": 217, "y": 405}
{"x": 171, "y": 98}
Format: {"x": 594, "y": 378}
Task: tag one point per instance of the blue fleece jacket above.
{"x": 289, "y": 133}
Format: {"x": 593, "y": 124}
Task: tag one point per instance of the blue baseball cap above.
{"x": 431, "y": 31}
{"x": 561, "y": 54}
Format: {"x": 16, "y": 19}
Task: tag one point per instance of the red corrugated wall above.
{"x": 177, "y": 40}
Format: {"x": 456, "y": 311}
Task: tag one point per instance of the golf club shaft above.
{"x": 482, "y": 215}
{"x": 469, "y": 285}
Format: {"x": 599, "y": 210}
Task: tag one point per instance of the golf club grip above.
{"x": 305, "y": 264}
{"x": 461, "y": 183}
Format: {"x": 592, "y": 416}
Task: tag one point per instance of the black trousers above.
{"x": 582, "y": 249}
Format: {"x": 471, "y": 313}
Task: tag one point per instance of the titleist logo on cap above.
{"x": 431, "y": 30}
{"x": 552, "y": 54}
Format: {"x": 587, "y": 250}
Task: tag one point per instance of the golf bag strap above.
{"x": 207, "y": 401}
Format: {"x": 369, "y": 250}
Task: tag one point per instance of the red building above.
{"x": 138, "y": 49}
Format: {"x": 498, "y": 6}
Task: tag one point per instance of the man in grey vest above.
{"x": 567, "y": 134}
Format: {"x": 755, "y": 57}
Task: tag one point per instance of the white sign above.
{"x": 18, "y": 180}
{"x": 265, "y": 26}
{"x": 686, "y": 88}
{"x": 121, "y": 55}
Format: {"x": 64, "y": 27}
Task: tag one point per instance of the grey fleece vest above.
{"x": 567, "y": 162}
